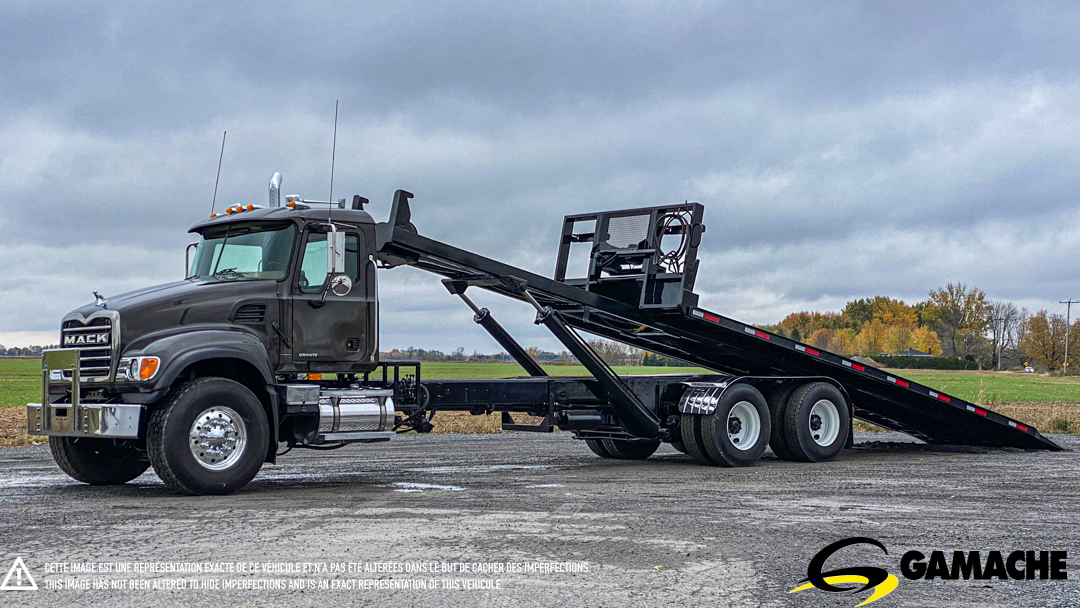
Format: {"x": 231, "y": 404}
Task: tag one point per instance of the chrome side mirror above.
{"x": 188, "y": 258}
{"x": 335, "y": 251}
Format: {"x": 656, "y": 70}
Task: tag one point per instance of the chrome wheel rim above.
{"x": 218, "y": 438}
{"x": 743, "y": 425}
{"x": 824, "y": 422}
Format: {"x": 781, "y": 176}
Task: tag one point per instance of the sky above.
{"x": 841, "y": 149}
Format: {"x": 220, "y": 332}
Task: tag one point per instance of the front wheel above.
{"x": 210, "y": 436}
{"x": 98, "y": 462}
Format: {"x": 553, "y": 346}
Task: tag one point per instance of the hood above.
{"x": 138, "y": 297}
{"x": 182, "y": 306}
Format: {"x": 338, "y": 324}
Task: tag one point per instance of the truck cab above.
{"x": 274, "y": 298}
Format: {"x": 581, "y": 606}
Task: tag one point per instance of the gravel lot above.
{"x": 652, "y": 533}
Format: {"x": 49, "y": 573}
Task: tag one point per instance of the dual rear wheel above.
{"x": 735, "y": 434}
{"x": 808, "y": 422}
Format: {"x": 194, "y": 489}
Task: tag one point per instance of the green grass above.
{"x": 20, "y": 380}
{"x": 510, "y": 370}
{"x": 997, "y": 387}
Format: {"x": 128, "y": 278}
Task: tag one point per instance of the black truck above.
{"x": 273, "y": 340}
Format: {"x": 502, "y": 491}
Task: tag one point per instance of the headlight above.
{"x": 137, "y": 368}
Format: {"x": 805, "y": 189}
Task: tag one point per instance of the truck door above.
{"x": 332, "y": 332}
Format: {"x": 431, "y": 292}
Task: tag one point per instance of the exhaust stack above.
{"x": 275, "y": 190}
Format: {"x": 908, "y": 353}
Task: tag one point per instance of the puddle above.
{"x": 409, "y": 487}
{"x": 24, "y": 481}
{"x": 479, "y": 468}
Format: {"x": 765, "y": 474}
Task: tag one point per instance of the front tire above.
{"x": 209, "y": 436}
{"x": 98, "y": 462}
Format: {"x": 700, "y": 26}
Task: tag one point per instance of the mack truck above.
{"x": 271, "y": 342}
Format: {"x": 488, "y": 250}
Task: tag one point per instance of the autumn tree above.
{"x": 954, "y": 308}
{"x": 1043, "y": 339}
{"x": 1004, "y": 324}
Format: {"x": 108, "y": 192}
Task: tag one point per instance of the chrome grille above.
{"x": 95, "y": 341}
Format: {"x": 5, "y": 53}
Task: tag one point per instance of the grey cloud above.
{"x": 841, "y": 150}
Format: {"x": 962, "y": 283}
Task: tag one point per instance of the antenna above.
{"x": 333, "y": 157}
{"x": 213, "y": 203}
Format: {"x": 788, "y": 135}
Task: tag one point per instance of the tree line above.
{"x": 954, "y": 321}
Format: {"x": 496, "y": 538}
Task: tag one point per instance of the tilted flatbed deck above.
{"x": 711, "y": 341}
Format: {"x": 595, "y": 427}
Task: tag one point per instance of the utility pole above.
{"x": 1068, "y": 309}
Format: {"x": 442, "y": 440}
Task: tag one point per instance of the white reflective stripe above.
{"x": 1012, "y": 424}
{"x": 970, "y": 408}
{"x": 847, "y": 363}
{"x": 933, "y": 394}
{"x": 698, "y": 313}
{"x": 749, "y": 330}
{"x": 891, "y": 379}
{"x": 800, "y": 347}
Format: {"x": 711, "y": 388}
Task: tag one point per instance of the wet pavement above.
{"x": 544, "y": 520}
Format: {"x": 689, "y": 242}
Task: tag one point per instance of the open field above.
{"x": 1050, "y": 403}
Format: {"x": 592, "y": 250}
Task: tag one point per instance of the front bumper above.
{"x": 111, "y": 420}
{"x": 66, "y": 415}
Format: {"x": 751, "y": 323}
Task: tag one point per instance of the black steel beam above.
{"x": 632, "y": 413}
{"x": 484, "y": 319}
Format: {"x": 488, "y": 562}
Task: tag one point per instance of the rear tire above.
{"x": 737, "y": 432}
{"x": 690, "y": 428}
{"x": 817, "y": 422}
{"x": 98, "y": 462}
{"x": 778, "y": 401}
{"x": 209, "y": 436}
{"x": 631, "y": 450}
{"x": 597, "y": 447}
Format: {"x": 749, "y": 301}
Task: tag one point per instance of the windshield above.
{"x": 247, "y": 251}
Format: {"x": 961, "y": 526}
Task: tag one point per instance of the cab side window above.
{"x": 313, "y": 265}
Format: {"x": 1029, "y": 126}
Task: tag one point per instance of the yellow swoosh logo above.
{"x": 880, "y": 591}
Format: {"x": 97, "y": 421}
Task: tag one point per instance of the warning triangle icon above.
{"x": 18, "y": 578}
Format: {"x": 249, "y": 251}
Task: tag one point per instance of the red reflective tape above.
{"x": 1021, "y": 427}
{"x": 761, "y": 334}
{"x": 811, "y": 351}
{"x": 902, "y": 382}
{"x": 980, "y": 412}
{"x": 858, "y": 367}
{"x": 709, "y": 317}
{"x": 943, "y": 398}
